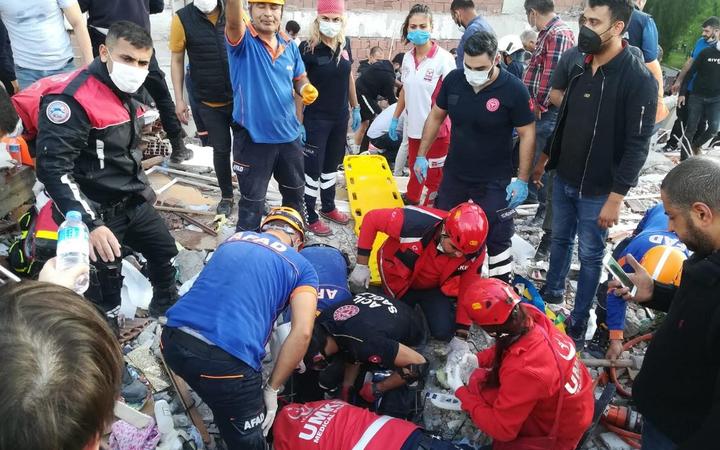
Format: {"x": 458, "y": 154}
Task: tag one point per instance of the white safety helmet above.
{"x": 509, "y": 44}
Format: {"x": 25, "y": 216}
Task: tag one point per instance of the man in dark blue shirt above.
{"x": 484, "y": 103}
{"x": 464, "y": 14}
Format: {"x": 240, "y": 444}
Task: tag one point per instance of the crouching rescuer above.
{"x": 424, "y": 257}
{"x": 216, "y": 334}
{"x": 371, "y": 332}
{"x": 529, "y": 390}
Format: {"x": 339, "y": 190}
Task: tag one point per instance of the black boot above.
{"x": 543, "y": 250}
{"x": 162, "y": 300}
{"x": 179, "y": 153}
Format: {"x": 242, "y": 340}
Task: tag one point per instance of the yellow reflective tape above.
{"x": 45, "y": 234}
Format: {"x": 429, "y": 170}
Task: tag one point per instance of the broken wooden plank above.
{"x": 197, "y": 184}
{"x": 15, "y": 188}
{"x": 184, "y": 173}
{"x": 175, "y": 209}
{"x": 187, "y": 401}
{"x": 197, "y": 223}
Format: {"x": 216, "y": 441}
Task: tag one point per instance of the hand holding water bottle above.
{"x": 73, "y": 249}
{"x": 66, "y": 278}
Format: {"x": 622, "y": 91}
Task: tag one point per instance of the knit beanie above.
{"x": 331, "y": 7}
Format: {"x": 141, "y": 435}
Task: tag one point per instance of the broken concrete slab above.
{"x": 189, "y": 263}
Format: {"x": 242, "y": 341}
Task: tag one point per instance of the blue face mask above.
{"x": 418, "y": 37}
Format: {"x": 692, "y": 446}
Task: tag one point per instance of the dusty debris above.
{"x": 189, "y": 263}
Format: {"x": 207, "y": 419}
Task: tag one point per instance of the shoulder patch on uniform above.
{"x": 345, "y": 312}
{"x": 58, "y": 112}
{"x": 375, "y": 359}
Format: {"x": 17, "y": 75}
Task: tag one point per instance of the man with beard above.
{"x": 684, "y": 348}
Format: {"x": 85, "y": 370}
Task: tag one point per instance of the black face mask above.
{"x": 589, "y": 42}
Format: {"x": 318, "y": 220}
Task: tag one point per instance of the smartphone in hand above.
{"x": 617, "y": 271}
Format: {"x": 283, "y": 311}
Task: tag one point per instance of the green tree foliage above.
{"x": 679, "y": 21}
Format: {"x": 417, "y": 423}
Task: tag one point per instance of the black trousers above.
{"x": 324, "y": 151}
{"x": 155, "y": 86}
{"x": 231, "y": 388}
{"x": 217, "y": 122}
{"x": 253, "y": 164}
{"x": 141, "y": 228}
{"x": 491, "y": 198}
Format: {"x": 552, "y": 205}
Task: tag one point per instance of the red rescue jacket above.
{"x": 409, "y": 258}
{"x": 525, "y": 403}
{"x": 336, "y": 425}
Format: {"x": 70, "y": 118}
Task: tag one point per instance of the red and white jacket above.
{"x": 88, "y": 136}
{"x": 336, "y": 425}
{"x": 525, "y": 403}
{"x": 409, "y": 258}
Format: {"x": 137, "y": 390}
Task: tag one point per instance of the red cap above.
{"x": 331, "y": 7}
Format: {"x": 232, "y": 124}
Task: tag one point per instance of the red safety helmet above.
{"x": 467, "y": 227}
{"x": 488, "y": 301}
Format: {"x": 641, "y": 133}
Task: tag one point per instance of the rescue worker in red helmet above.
{"x": 529, "y": 388}
{"x": 336, "y": 425}
{"x": 426, "y": 252}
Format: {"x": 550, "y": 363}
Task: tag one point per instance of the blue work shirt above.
{"x": 650, "y": 232}
{"x": 243, "y": 289}
{"x": 477, "y": 24}
{"x": 643, "y": 33}
{"x": 263, "y": 86}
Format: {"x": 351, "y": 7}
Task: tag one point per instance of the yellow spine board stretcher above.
{"x": 370, "y": 185}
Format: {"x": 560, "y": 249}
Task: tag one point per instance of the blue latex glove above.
{"x": 303, "y": 135}
{"x": 421, "y": 168}
{"x": 392, "y": 131}
{"x": 517, "y": 192}
{"x": 356, "y": 119}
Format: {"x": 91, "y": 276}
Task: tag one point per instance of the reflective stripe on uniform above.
{"x": 371, "y": 431}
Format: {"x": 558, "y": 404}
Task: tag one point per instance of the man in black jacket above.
{"x": 101, "y": 15}
{"x": 377, "y": 80}
{"x": 684, "y": 350}
{"x": 598, "y": 148}
{"x": 88, "y": 158}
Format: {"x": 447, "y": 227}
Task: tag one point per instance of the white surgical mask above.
{"x": 127, "y": 78}
{"x": 330, "y": 29}
{"x": 205, "y": 6}
{"x": 477, "y": 78}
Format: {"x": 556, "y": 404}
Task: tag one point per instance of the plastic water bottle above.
{"x": 14, "y": 150}
{"x": 73, "y": 247}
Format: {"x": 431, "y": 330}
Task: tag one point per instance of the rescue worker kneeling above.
{"x": 426, "y": 252}
{"x": 372, "y": 331}
{"x": 216, "y": 333}
{"x": 529, "y": 390}
{"x": 335, "y": 425}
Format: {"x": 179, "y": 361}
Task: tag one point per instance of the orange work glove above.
{"x": 309, "y": 94}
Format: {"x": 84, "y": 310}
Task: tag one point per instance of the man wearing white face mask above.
{"x": 484, "y": 103}
{"x": 88, "y": 158}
